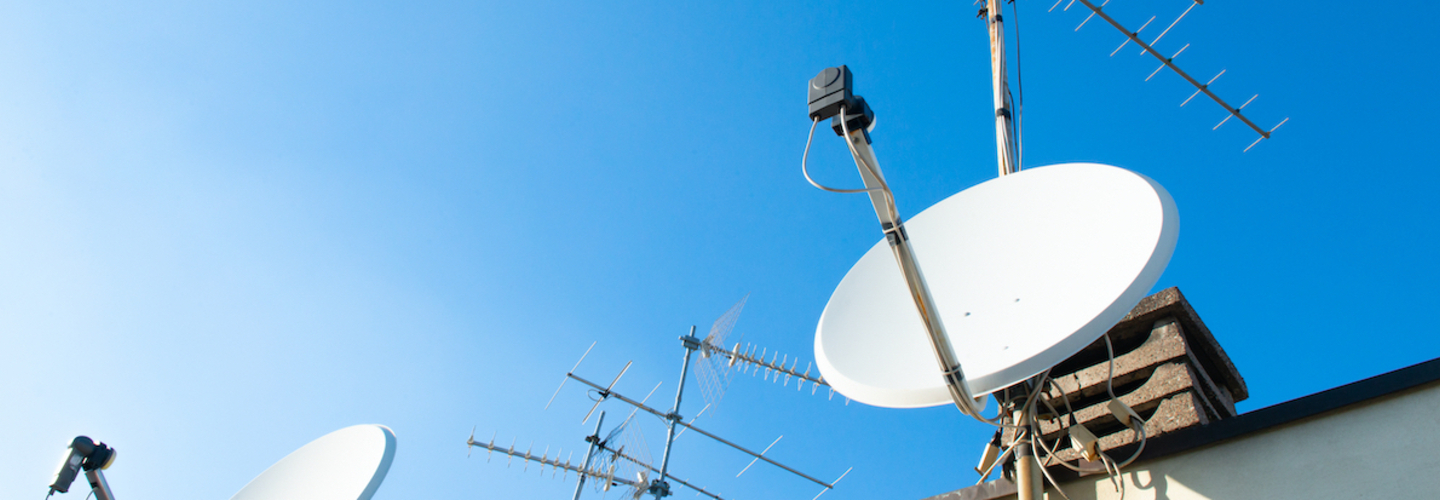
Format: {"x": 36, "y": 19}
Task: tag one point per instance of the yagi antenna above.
{"x": 755, "y": 364}
{"x": 601, "y": 462}
{"x": 1169, "y": 62}
{"x": 718, "y": 363}
{"x": 585, "y": 470}
{"x": 674, "y": 419}
{"x": 626, "y": 461}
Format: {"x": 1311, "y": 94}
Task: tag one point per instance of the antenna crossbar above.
{"x": 1169, "y": 63}
{"x": 603, "y": 392}
{"x": 666, "y": 416}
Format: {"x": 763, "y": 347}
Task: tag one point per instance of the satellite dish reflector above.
{"x": 1025, "y": 271}
{"x": 347, "y": 464}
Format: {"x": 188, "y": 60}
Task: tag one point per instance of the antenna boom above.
{"x": 1168, "y": 63}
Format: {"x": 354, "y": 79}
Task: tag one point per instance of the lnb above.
{"x": 84, "y": 453}
{"x": 833, "y": 90}
{"x": 829, "y": 90}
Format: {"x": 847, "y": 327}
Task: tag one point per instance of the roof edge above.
{"x": 1376, "y": 387}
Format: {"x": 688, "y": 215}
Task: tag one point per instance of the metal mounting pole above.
{"x": 831, "y": 96}
{"x": 659, "y": 487}
{"x": 98, "y": 485}
{"x": 594, "y": 440}
{"x": 1027, "y": 469}
{"x": 884, "y": 204}
{"x": 1004, "y": 120}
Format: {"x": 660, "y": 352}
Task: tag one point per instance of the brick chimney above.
{"x": 1168, "y": 368}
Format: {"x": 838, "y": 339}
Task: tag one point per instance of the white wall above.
{"x": 1381, "y": 449}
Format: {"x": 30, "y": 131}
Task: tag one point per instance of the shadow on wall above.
{"x": 1139, "y": 485}
{"x": 1145, "y": 482}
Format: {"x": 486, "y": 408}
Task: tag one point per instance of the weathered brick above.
{"x": 1163, "y": 360}
{"x": 1176, "y": 412}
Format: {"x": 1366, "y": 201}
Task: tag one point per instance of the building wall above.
{"x": 1388, "y": 447}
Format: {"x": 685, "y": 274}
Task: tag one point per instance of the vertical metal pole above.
{"x": 1004, "y": 121}
{"x": 1027, "y": 469}
{"x": 594, "y": 440}
{"x": 659, "y": 487}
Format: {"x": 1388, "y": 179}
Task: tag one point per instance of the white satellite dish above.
{"x": 347, "y": 464}
{"x": 1025, "y": 270}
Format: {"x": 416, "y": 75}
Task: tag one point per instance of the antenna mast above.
{"x": 585, "y": 464}
{"x": 1028, "y": 484}
{"x": 659, "y": 487}
{"x": 1006, "y": 145}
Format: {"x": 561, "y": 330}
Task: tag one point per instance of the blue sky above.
{"x": 229, "y": 228}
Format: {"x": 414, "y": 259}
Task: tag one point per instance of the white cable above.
{"x": 969, "y": 407}
{"x": 805, "y": 170}
{"x": 1109, "y": 388}
{"x": 1110, "y": 379}
{"x": 1113, "y": 470}
{"x": 1040, "y": 379}
{"x": 1113, "y": 473}
{"x": 1116, "y": 479}
{"x": 1043, "y": 470}
{"x": 884, "y": 188}
{"x": 1140, "y": 430}
{"x": 1050, "y": 452}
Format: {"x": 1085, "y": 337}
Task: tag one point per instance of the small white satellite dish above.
{"x": 1025, "y": 271}
{"x": 347, "y": 464}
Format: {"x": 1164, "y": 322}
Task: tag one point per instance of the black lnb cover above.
{"x": 100, "y": 458}
{"x": 858, "y": 116}
{"x": 829, "y": 90}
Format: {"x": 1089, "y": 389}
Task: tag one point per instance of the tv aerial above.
{"x": 1169, "y": 62}
{"x": 718, "y": 364}
{"x": 602, "y": 461}
{"x": 605, "y": 456}
{"x": 606, "y": 460}
{"x": 1020, "y": 273}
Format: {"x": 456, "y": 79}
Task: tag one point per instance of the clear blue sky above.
{"x": 228, "y": 228}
